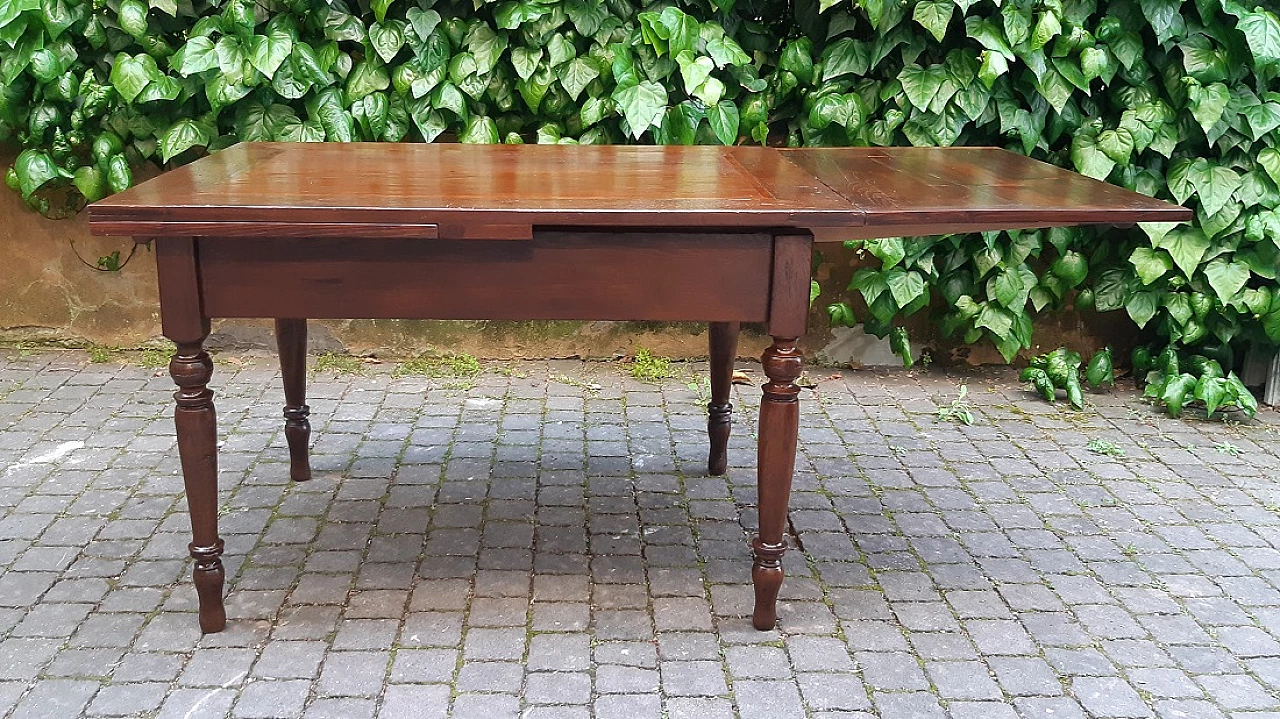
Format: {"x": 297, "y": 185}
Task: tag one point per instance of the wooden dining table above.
{"x": 719, "y": 235}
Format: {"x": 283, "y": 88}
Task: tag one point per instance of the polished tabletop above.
{"x": 504, "y": 191}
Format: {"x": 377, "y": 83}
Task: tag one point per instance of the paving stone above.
{"x": 272, "y": 699}
{"x": 1109, "y": 697}
{"x": 962, "y": 680}
{"x": 55, "y": 698}
{"x": 767, "y": 699}
{"x": 353, "y": 673}
{"x": 414, "y": 701}
{"x": 969, "y": 571}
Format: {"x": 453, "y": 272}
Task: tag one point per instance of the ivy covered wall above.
{"x": 1175, "y": 99}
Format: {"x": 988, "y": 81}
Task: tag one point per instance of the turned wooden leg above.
{"x": 196, "y": 425}
{"x": 779, "y": 425}
{"x": 291, "y": 339}
{"x": 724, "y": 348}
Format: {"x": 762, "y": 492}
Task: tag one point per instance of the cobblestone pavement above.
{"x": 547, "y": 544}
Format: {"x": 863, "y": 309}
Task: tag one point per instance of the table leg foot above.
{"x": 766, "y": 575}
{"x": 779, "y": 426}
{"x": 291, "y": 340}
{"x": 724, "y": 348}
{"x": 209, "y": 577}
{"x": 195, "y": 420}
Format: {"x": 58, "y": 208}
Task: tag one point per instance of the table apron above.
{"x": 556, "y": 275}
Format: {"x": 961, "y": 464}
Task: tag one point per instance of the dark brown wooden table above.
{"x": 721, "y": 235}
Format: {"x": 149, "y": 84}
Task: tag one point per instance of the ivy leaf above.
{"x": 995, "y": 318}
{"x": 307, "y": 65}
{"x": 723, "y": 118}
{"x": 256, "y": 122}
{"x": 1116, "y": 144}
{"x": 1089, "y": 159}
{"x": 560, "y": 51}
{"x": 423, "y": 22}
{"x": 1262, "y": 118}
{"x": 1261, "y": 30}
{"x": 845, "y": 56}
{"x": 129, "y": 75}
{"x": 579, "y": 73}
{"x": 1269, "y": 160}
{"x": 1165, "y": 17}
{"x": 1094, "y": 62}
{"x": 387, "y": 38}
{"x": 35, "y": 168}
{"x": 268, "y": 52}
{"x": 587, "y": 16}
{"x": 594, "y": 110}
{"x": 196, "y": 56}
{"x": 1047, "y": 28}
{"x": 1142, "y": 307}
{"x": 480, "y": 130}
{"x": 379, "y": 8}
{"x": 889, "y": 250}
{"x": 1009, "y": 290}
{"x": 1226, "y": 278}
{"x": 370, "y": 113}
{"x": 905, "y": 286}
{"x": 485, "y": 45}
{"x": 366, "y": 77}
{"x": 1186, "y": 245}
{"x": 525, "y": 61}
{"x": 641, "y": 104}
{"x": 694, "y": 71}
{"x": 1151, "y": 264}
{"x": 222, "y": 92}
{"x": 682, "y": 30}
{"x": 429, "y": 122}
{"x": 132, "y": 17}
{"x": 535, "y": 88}
{"x": 182, "y": 136}
{"x": 162, "y": 88}
{"x": 726, "y": 51}
{"x": 326, "y": 108}
{"x": 1214, "y": 185}
{"x": 511, "y": 15}
{"x": 934, "y": 16}
{"x": 993, "y": 66}
{"x": 1208, "y": 103}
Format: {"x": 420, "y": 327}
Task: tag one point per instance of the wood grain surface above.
{"x": 369, "y": 189}
{"x": 930, "y": 190}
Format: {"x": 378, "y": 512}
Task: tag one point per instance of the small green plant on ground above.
{"x": 155, "y": 357}
{"x": 449, "y": 364}
{"x": 1175, "y": 381}
{"x": 1226, "y": 447}
{"x": 458, "y": 370}
{"x": 701, "y": 388}
{"x": 337, "y": 363}
{"x": 575, "y": 382}
{"x": 99, "y": 354}
{"x": 958, "y": 410}
{"x": 1103, "y": 446}
{"x": 649, "y": 368}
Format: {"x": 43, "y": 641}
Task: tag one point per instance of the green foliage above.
{"x": 1058, "y": 370}
{"x": 1177, "y": 380}
{"x": 958, "y": 410}
{"x": 1105, "y": 446}
{"x": 649, "y": 368}
{"x": 1172, "y": 98}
